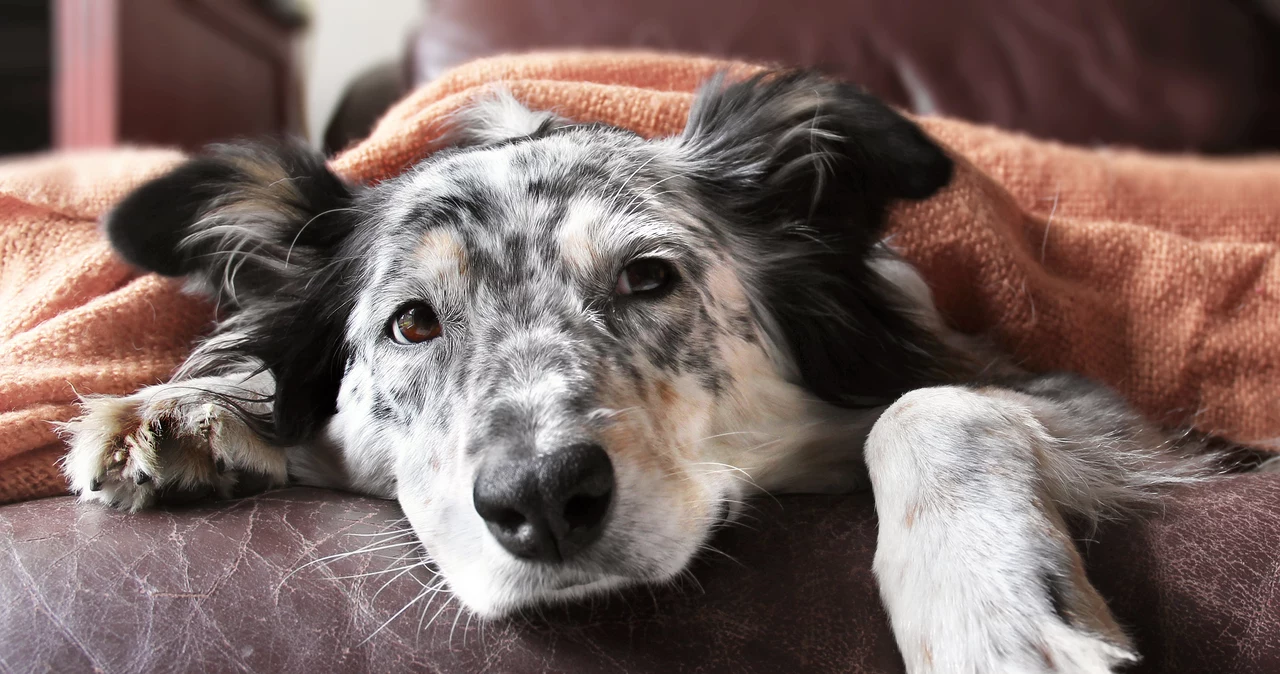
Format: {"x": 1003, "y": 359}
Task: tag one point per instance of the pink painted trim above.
{"x": 86, "y": 65}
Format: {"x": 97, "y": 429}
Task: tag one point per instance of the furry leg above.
{"x": 976, "y": 565}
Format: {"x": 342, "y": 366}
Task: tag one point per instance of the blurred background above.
{"x": 1168, "y": 75}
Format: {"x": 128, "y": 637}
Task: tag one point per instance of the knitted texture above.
{"x": 1159, "y": 275}
{"x": 73, "y": 317}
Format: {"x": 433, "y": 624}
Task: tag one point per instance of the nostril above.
{"x": 506, "y": 497}
{"x": 507, "y": 519}
{"x": 578, "y": 479}
{"x": 584, "y": 511}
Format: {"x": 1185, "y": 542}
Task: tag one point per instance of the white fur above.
{"x": 964, "y": 537}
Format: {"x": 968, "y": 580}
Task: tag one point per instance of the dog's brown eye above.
{"x": 644, "y": 276}
{"x": 415, "y": 323}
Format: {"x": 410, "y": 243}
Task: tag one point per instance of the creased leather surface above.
{"x": 208, "y": 589}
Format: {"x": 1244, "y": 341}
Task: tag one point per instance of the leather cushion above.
{"x": 214, "y": 588}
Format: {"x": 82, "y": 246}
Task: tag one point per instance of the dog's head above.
{"x": 567, "y": 350}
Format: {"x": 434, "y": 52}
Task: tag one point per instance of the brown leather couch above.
{"x": 1188, "y": 75}
{"x": 226, "y": 588}
{"x": 1201, "y": 75}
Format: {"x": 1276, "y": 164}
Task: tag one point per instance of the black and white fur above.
{"x": 792, "y": 352}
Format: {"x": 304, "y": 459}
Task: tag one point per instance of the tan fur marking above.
{"x": 667, "y": 396}
{"x": 580, "y": 250}
{"x": 441, "y": 251}
{"x": 1047, "y": 657}
{"x": 653, "y": 441}
{"x": 724, "y": 287}
{"x": 629, "y": 439}
{"x": 271, "y": 187}
{"x": 1084, "y": 606}
{"x": 579, "y": 242}
{"x": 643, "y": 447}
{"x": 265, "y": 173}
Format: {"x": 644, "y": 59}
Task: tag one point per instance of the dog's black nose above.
{"x": 546, "y": 506}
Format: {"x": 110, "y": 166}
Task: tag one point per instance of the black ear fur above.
{"x": 261, "y": 227}
{"x": 819, "y": 148}
{"x": 149, "y": 224}
{"x": 257, "y": 206}
{"x": 805, "y": 167}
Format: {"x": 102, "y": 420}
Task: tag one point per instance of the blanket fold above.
{"x": 1159, "y": 275}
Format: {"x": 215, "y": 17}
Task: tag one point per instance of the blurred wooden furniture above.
{"x": 173, "y": 72}
{"x": 25, "y": 75}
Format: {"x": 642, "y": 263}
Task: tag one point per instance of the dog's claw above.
{"x": 142, "y": 478}
{"x": 95, "y": 484}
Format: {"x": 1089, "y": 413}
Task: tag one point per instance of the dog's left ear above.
{"x": 800, "y": 169}
{"x": 806, "y": 148}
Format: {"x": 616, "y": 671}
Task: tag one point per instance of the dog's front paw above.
{"x": 990, "y": 611}
{"x": 128, "y": 451}
{"x": 122, "y": 450}
{"x": 1009, "y": 644}
{"x": 1001, "y": 621}
{"x": 1058, "y": 647}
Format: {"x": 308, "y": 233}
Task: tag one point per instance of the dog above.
{"x": 571, "y": 352}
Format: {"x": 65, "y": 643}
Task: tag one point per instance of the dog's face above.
{"x": 561, "y": 362}
{"x": 567, "y": 350}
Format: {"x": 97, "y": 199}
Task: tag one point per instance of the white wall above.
{"x": 345, "y": 37}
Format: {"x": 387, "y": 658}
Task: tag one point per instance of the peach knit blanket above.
{"x": 1159, "y": 275}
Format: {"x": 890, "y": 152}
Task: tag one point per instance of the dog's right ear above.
{"x": 235, "y": 220}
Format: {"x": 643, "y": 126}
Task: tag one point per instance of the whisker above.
{"x": 435, "y": 589}
{"x": 307, "y": 224}
{"x": 443, "y": 606}
{"x": 396, "y": 533}
{"x": 343, "y": 555}
{"x": 722, "y": 553}
{"x": 456, "y": 616}
{"x": 394, "y": 616}
{"x": 467, "y": 628}
{"x": 379, "y": 573}
{"x": 397, "y": 577}
{"x": 627, "y": 182}
{"x": 692, "y": 578}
